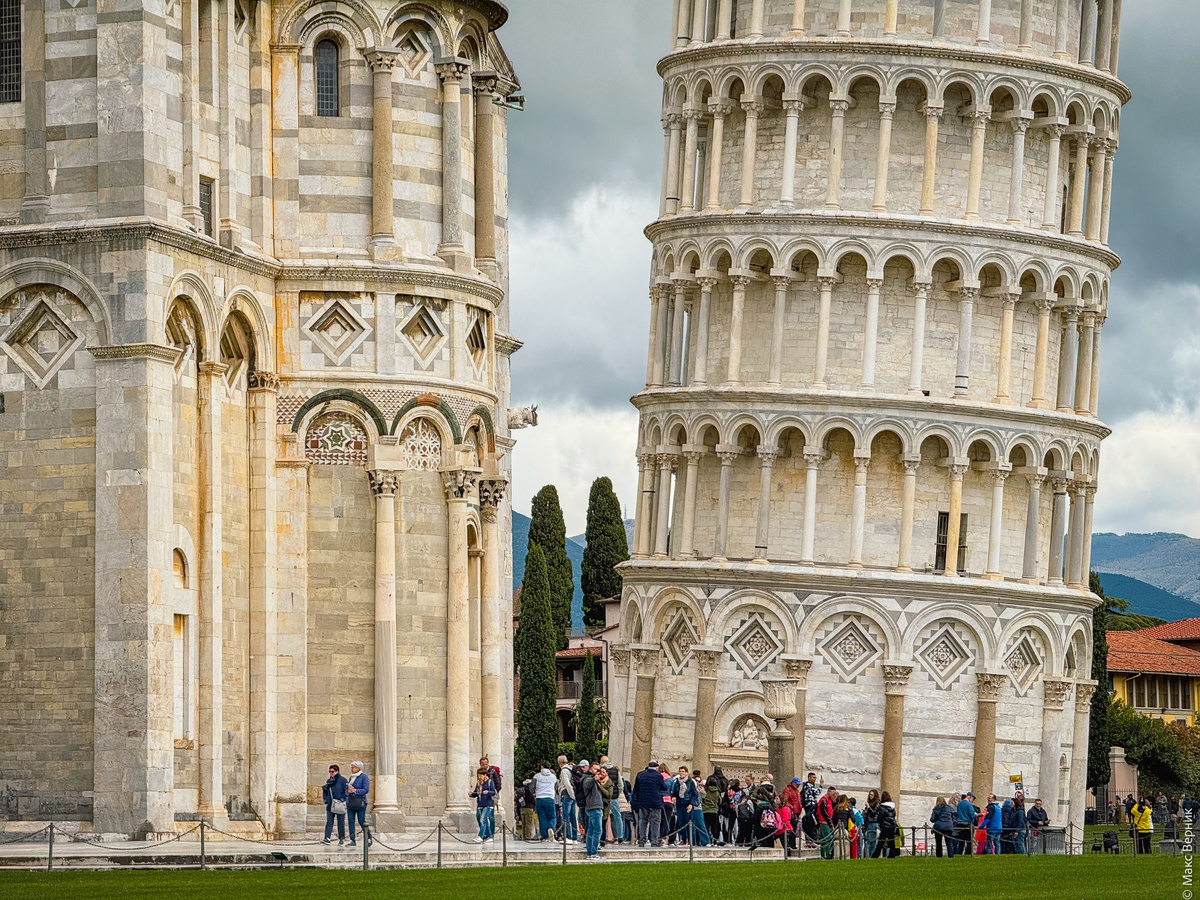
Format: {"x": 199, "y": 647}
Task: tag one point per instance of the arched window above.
{"x": 10, "y": 51}
{"x": 326, "y": 58}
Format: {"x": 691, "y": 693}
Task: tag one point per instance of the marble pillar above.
{"x": 384, "y": 485}
{"x": 895, "y": 678}
{"x": 707, "y": 659}
{"x": 492, "y": 686}
{"x": 459, "y": 485}
{"x": 983, "y": 766}
{"x": 1055, "y": 696}
{"x": 645, "y": 662}
{"x": 796, "y": 668}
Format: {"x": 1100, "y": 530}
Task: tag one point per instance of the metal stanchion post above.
{"x": 691, "y": 839}
{"x": 366, "y": 836}
{"x": 504, "y": 845}
{"x": 50, "y": 850}
{"x": 439, "y": 834}
{"x": 564, "y": 862}
{"x": 203, "y": 861}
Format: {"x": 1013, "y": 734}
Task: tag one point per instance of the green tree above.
{"x": 1166, "y": 755}
{"x": 606, "y": 548}
{"x": 1098, "y": 770}
{"x": 585, "y": 713}
{"x": 537, "y": 729}
{"x": 548, "y": 531}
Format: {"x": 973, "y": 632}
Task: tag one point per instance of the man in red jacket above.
{"x": 791, "y": 797}
{"x": 825, "y": 821}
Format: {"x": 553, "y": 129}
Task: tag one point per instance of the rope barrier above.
{"x": 249, "y": 840}
{"x": 25, "y": 838}
{"x": 76, "y": 839}
{"x": 378, "y": 841}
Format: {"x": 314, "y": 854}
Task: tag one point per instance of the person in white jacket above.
{"x": 545, "y": 788}
{"x": 567, "y": 792}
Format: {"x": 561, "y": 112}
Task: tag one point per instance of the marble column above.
{"x": 736, "y": 317}
{"x": 1095, "y": 201}
{"x": 890, "y": 17}
{"x": 726, "y": 453}
{"x": 718, "y": 109}
{"x": 996, "y": 529}
{"x": 1061, "y": 29}
{"x": 858, "y": 514}
{"x": 652, "y": 343}
{"x": 682, "y": 23}
{"x": 674, "y": 126}
{"x": 779, "y": 702}
{"x": 707, "y": 659}
{"x": 1077, "y": 800}
{"x": 1095, "y": 373}
{"x": 871, "y": 338}
{"x": 678, "y": 319}
{"x": 459, "y": 484}
{"x": 724, "y": 20}
{"x": 485, "y": 165}
{"x": 984, "y": 33}
{"x": 687, "y": 195}
{"x": 837, "y": 135}
{"x": 895, "y": 678}
{"x": 666, "y": 467}
{"x": 1033, "y": 526}
{"x": 701, "y": 326}
{"x": 35, "y": 205}
{"x": 283, "y": 77}
{"x": 843, "y": 19}
{"x": 1115, "y": 43}
{"x": 645, "y": 503}
{"x": 210, "y": 701}
{"x": 261, "y": 397}
{"x": 953, "y": 535}
{"x": 1076, "y": 577}
{"x": 385, "y": 484}
{"x": 661, "y": 339}
{"x": 686, "y": 547}
{"x": 966, "y": 308}
{"x": 619, "y": 708}
{"x": 451, "y": 72}
{"x": 907, "y": 514}
{"x": 792, "y": 106}
{"x": 698, "y": 23}
{"x": 797, "y": 29}
{"x": 883, "y": 156}
{"x": 756, "y": 18}
{"x": 1016, "y": 185}
{"x": 1078, "y": 183}
{"x": 825, "y": 305}
{"x": 920, "y": 300}
{"x": 781, "y": 282}
{"x": 1087, "y": 34}
{"x": 383, "y": 218}
{"x": 979, "y": 121}
{"x": 1052, "y": 212}
{"x": 1055, "y": 696}
{"x": 645, "y": 662}
{"x": 1058, "y": 530}
{"x": 1044, "y": 304}
{"x": 1083, "y": 370}
{"x": 492, "y": 681}
{"x": 983, "y": 766}
{"x": 797, "y": 668}
{"x": 1025, "y": 41}
{"x": 766, "y": 459}
{"x": 812, "y": 462}
{"x": 1068, "y": 354}
{"x": 1106, "y": 207}
{"x": 1088, "y": 513}
{"x": 933, "y": 115}
{"x": 666, "y": 167}
{"x": 1004, "y": 369}
{"x": 753, "y": 108}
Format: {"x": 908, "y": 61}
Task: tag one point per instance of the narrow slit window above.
{"x": 10, "y": 51}
{"x": 206, "y": 209}
{"x": 326, "y": 59}
{"x": 943, "y": 538}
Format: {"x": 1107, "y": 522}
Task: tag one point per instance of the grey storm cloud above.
{"x": 593, "y": 121}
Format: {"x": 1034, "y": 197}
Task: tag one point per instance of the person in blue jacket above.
{"x": 687, "y": 798}
{"x": 964, "y": 823}
{"x": 336, "y": 789}
{"x": 1020, "y": 823}
{"x": 356, "y": 804}
{"x": 993, "y": 822}
{"x": 942, "y": 818}
{"x": 647, "y": 804}
{"x": 485, "y": 806}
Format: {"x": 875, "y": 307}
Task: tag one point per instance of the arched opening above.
{"x": 326, "y": 72}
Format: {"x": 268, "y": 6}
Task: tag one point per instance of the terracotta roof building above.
{"x": 1155, "y": 676}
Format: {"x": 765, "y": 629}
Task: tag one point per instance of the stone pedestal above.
{"x": 779, "y": 696}
{"x": 796, "y": 668}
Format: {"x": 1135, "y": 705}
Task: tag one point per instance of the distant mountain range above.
{"x": 1167, "y": 561}
{"x": 1159, "y": 574}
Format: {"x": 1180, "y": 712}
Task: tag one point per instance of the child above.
{"x": 485, "y": 806}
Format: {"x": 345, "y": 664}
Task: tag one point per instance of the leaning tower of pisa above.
{"x": 868, "y": 444}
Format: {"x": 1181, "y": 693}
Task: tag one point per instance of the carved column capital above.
{"x": 1057, "y": 691}
{"x": 768, "y": 455}
{"x": 1083, "y": 696}
{"x": 895, "y": 678}
{"x": 645, "y": 661}
{"x": 668, "y": 461}
{"x": 874, "y": 285}
{"x": 862, "y": 464}
{"x": 911, "y": 466}
{"x": 459, "y": 483}
{"x": 452, "y": 70}
{"x": 989, "y": 686}
{"x": 797, "y": 668}
{"x": 381, "y": 60}
{"x": 968, "y": 293}
{"x": 706, "y": 282}
{"x": 484, "y": 83}
{"x": 728, "y": 456}
{"x": 720, "y": 108}
{"x": 812, "y": 458}
{"x": 999, "y": 475}
{"x": 1055, "y": 132}
{"x": 839, "y": 107}
{"x": 708, "y": 659}
{"x": 781, "y": 282}
{"x": 491, "y": 495}
{"x": 933, "y": 113}
{"x": 1011, "y": 300}
{"x": 263, "y": 381}
{"x": 826, "y": 282}
{"x": 1019, "y": 126}
{"x": 673, "y": 120}
{"x": 887, "y": 108}
{"x": 384, "y": 482}
{"x": 740, "y": 281}
{"x": 620, "y": 660}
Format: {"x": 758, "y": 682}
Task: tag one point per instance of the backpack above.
{"x": 887, "y": 818}
{"x": 768, "y": 819}
{"x": 494, "y": 775}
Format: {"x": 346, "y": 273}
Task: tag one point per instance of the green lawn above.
{"x": 979, "y": 878}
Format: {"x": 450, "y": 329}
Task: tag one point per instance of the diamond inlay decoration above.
{"x": 413, "y": 52}
{"x": 42, "y": 341}
{"x": 945, "y": 657}
{"x": 677, "y": 641}
{"x": 1024, "y": 664}
{"x": 424, "y": 334}
{"x": 337, "y": 330}
{"x": 754, "y": 645}
{"x": 850, "y": 650}
{"x": 336, "y": 439}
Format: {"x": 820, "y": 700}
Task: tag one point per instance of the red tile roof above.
{"x": 1183, "y": 630}
{"x": 1132, "y": 651}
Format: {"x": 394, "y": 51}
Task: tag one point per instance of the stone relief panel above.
{"x": 336, "y": 439}
{"x": 850, "y": 645}
{"x": 946, "y": 653}
{"x": 679, "y": 635}
{"x": 40, "y": 339}
{"x": 749, "y": 733}
{"x": 1025, "y": 659}
{"x": 754, "y": 643}
{"x": 424, "y": 330}
{"x": 335, "y": 330}
{"x": 421, "y": 444}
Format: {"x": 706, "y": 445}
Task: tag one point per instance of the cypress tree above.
{"x": 548, "y": 531}
{"x": 537, "y": 728}
{"x": 585, "y": 713}
{"x": 606, "y": 547}
{"x": 1098, "y": 770}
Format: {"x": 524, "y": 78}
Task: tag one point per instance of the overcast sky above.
{"x": 585, "y": 164}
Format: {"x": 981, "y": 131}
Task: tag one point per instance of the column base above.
{"x": 718, "y": 559}
{"x": 1003, "y": 401}
{"x": 455, "y": 255}
{"x": 1037, "y": 404}
{"x": 291, "y": 820}
{"x": 993, "y": 576}
{"x": 459, "y": 820}
{"x": 854, "y": 565}
{"x": 878, "y": 209}
{"x": 388, "y": 821}
{"x": 914, "y": 392}
{"x": 489, "y": 267}
{"x": 904, "y": 570}
{"x": 34, "y": 209}
{"x": 688, "y": 554}
{"x": 230, "y": 237}
{"x": 818, "y": 386}
{"x": 1065, "y": 409}
{"x": 759, "y": 561}
{"x": 1014, "y": 222}
{"x": 217, "y": 816}
{"x": 660, "y": 556}
{"x": 385, "y": 249}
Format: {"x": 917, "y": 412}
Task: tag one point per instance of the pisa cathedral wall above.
{"x": 879, "y": 283}
{"x": 254, "y": 323}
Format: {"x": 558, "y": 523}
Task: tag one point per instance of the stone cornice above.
{"x": 791, "y": 400}
{"x": 137, "y": 351}
{"x": 507, "y": 344}
{"x": 927, "y": 228}
{"x": 791, "y": 577}
{"x": 396, "y": 279}
{"x": 776, "y": 48}
{"x": 443, "y": 387}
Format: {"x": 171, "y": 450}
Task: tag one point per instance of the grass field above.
{"x": 981, "y": 878}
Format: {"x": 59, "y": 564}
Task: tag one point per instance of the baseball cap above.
{"x": 584, "y": 762}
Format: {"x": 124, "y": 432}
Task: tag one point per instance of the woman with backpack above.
{"x": 885, "y": 845}
{"x": 764, "y": 817}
